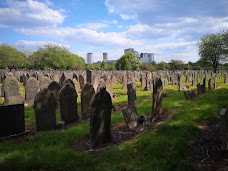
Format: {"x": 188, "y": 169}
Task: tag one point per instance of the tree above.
{"x": 176, "y": 64}
{"x": 53, "y": 56}
{"x": 104, "y": 65}
{"x": 10, "y": 57}
{"x": 128, "y": 62}
{"x": 162, "y": 66}
{"x": 213, "y": 48}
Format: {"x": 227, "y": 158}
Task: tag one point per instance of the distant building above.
{"x": 105, "y": 57}
{"x": 89, "y": 58}
{"x": 129, "y": 50}
{"x": 146, "y": 57}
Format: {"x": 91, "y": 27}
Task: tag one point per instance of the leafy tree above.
{"x": 11, "y": 57}
{"x": 128, "y": 62}
{"x": 162, "y": 66}
{"x": 213, "y": 48}
{"x": 148, "y": 66}
{"x": 53, "y": 56}
{"x": 176, "y": 64}
{"x": 104, "y": 65}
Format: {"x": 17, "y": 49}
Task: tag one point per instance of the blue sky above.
{"x": 168, "y": 28}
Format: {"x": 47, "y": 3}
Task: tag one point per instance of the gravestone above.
{"x": 124, "y": 82}
{"x": 45, "y": 106}
{"x": 157, "y": 99}
{"x": 31, "y": 91}
{"x": 81, "y": 81}
{"x": 86, "y": 95}
{"x": 68, "y": 81}
{"x": 45, "y": 81}
{"x": 11, "y": 91}
{"x": 199, "y": 89}
{"x": 68, "y": 104}
{"x": 179, "y": 80}
{"x": 224, "y": 128}
{"x": 62, "y": 78}
{"x": 130, "y": 116}
{"x": 209, "y": 84}
{"x": 96, "y": 80}
{"x": 55, "y": 87}
{"x": 109, "y": 88}
{"x": 100, "y": 121}
{"x": 131, "y": 93}
{"x": 89, "y": 76}
{"x": 225, "y": 78}
{"x": 12, "y": 120}
{"x": 192, "y": 94}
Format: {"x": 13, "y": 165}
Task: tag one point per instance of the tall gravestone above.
{"x": 89, "y": 76}
{"x": 68, "y": 104}
{"x": 100, "y": 120}
{"x": 55, "y": 87}
{"x": 11, "y": 91}
{"x": 45, "y": 81}
{"x": 157, "y": 99}
{"x": 131, "y": 93}
{"x": 124, "y": 82}
{"x": 62, "y": 78}
{"x": 86, "y": 95}
{"x": 81, "y": 81}
{"x": 45, "y": 106}
{"x": 109, "y": 88}
{"x": 31, "y": 91}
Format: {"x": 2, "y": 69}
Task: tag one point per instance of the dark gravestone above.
{"x": 157, "y": 99}
{"x": 186, "y": 95}
{"x": 62, "y": 78}
{"x": 31, "y": 91}
{"x": 209, "y": 84}
{"x": 224, "y": 127}
{"x": 68, "y": 104}
{"x": 86, "y": 95}
{"x": 179, "y": 80}
{"x": 68, "y": 81}
{"x": 89, "y": 76}
{"x": 100, "y": 121}
{"x": 203, "y": 86}
{"x": 45, "y": 105}
{"x": 45, "y": 81}
{"x": 130, "y": 116}
{"x": 226, "y": 78}
{"x": 192, "y": 94}
{"x": 55, "y": 87}
{"x": 199, "y": 89}
{"x": 11, "y": 91}
{"x": 131, "y": 93}
{"x": 12, "y": 120}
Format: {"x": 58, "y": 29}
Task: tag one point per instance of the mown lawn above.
{"x": 165, "y": 148}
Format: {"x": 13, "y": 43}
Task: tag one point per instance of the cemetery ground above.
{"x": 176, "y": 143}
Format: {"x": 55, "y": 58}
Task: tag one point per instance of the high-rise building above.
{"x": 146, "y": 57}
{"x": 105, "y": 57}
{"x": 129, "y": 50}
{"x": 90, "y": 58}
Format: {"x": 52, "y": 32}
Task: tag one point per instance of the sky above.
{"x": 168, "y": 28}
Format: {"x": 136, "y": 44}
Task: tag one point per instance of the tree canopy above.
{"x": 213, "y": 48}
{"x": 10, "y": 57}
{"x": 128, "y": 62}
{"x": 53, "y": 56}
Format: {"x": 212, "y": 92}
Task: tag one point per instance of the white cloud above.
{"x": 84, "y": 36}
{"x": 29, "y": 13}
{"x": 93, "y": 26}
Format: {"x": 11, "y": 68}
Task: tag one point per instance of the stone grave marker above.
{"x": 45, "y": 106}
{"x": 45, "y": 81}
{"x": 68, "y": 104}
{"x": 31, "y": 91}
{"x": 100, "y": 121}
{"x": 54, "y": 87}
{"x": 130, "y": 116}
{"x": 86, "y": 95}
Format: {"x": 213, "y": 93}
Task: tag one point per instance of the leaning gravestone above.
{"x": 11, "y": 91}
{"x": 130, "y": 116}
{"x": 131, "y": 93}
{"x": 12, "y": 120}
{"x": 45, "y": 105}
{"x": 68, "y": 103}
{"x": 31, "y": 91}
{"x": 55, "y": 87}
{"x": 100, "y": 121}
{"x": 157, "y": 99}
{"x": 86, "y": 95}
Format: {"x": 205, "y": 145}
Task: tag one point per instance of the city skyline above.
{"x": 169, "y": 29}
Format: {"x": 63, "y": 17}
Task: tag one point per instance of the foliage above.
{"x": 176, "y": 65}
{"x": 104, "y": 65}
{"x": 148, "y": 66}
{"x": 128, "y": 62}
{"x": 53, "y": 56}
{"x": 162, "y": 66}
{"x": 213, "y": 48}
{"x": 10, "y": 57}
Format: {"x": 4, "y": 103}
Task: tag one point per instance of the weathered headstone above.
{"x": 45, "y": 81}
{"x": 81, "y": 81}
{"x": 100, "y": 120}
{"x": 68, "y": 104}
{"x": 157, "y": 99}
{"x": 89, "y": 76}
{"x": 55, "y": 87}
{"x": 124, "y": 82}
{"x": 45, "y": 106}
{"x": 224, "y": 127}
{"x": 31, "y": 90}
{"x": 130, "y": 116}
{"x": 86, "y": 95}
{"x": 131, "y": 93}
{"x": 11, "y": 91}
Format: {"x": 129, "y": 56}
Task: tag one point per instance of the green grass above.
{"x": 165, "y": 148}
